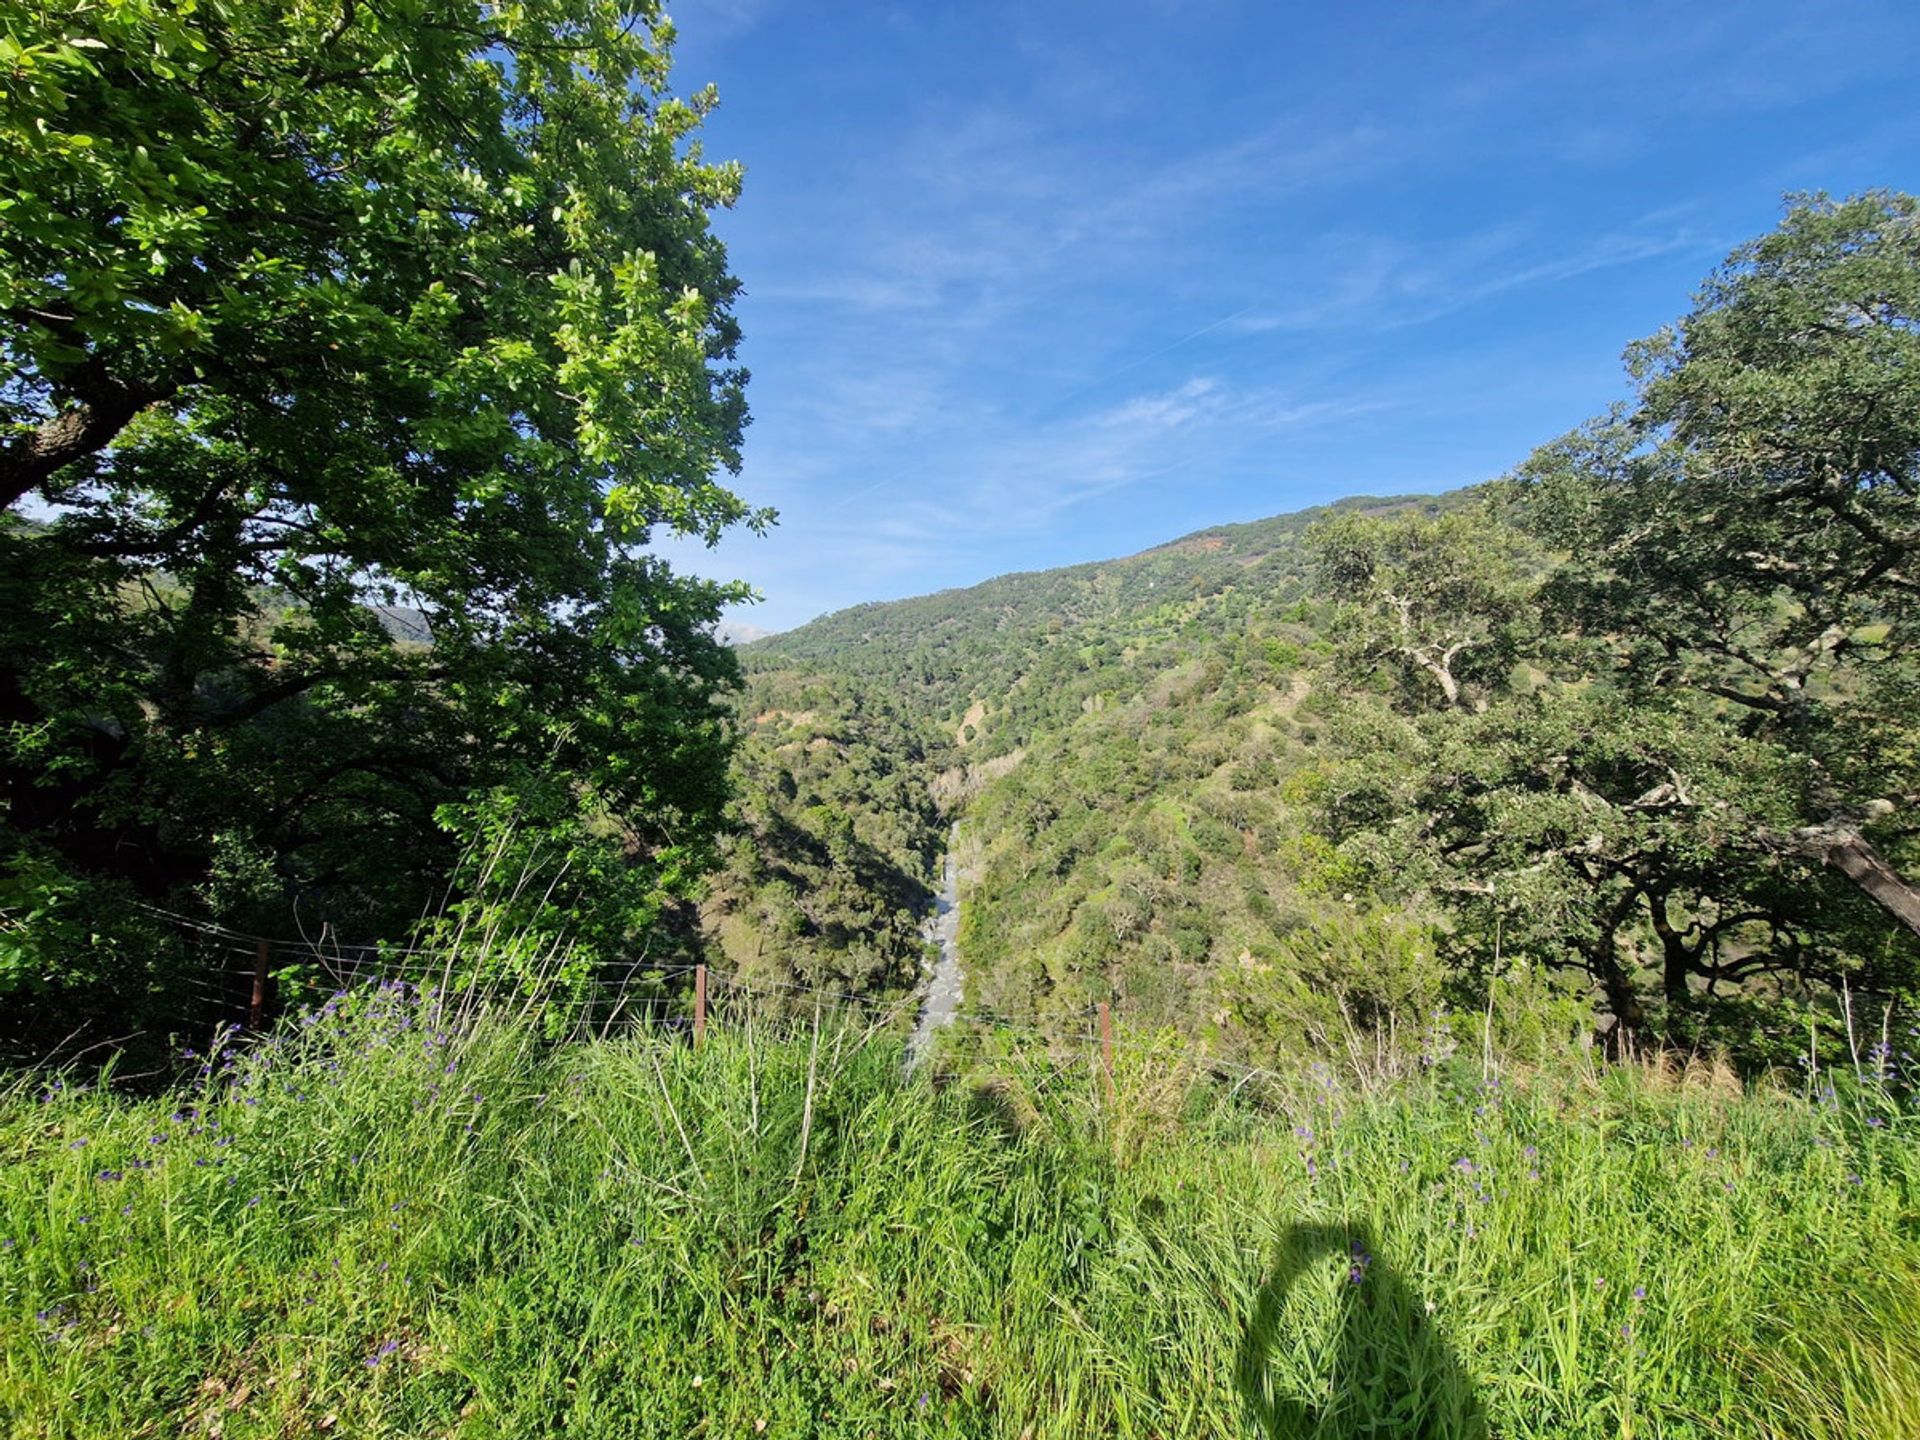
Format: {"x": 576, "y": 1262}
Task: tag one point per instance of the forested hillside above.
{"x": 1627, "y": 734}
{"x": 1029, "y": 650}
{"x": 881, "y": 724}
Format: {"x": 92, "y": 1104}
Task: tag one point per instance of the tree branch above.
{"x": 102, "y": 408}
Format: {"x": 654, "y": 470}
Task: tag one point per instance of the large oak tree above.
{"x": 1748, "y": 529}
{"x": 351, "y": 353}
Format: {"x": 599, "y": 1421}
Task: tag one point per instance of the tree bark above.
{"x": 1847, "y": 851}
{"x": 1676, "y": 958}
{"x": 101, "y": 408}
{"x": 1603, "y": 963}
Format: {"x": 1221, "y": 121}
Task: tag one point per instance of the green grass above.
{"x": 375, "y": 1227}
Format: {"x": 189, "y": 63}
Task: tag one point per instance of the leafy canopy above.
{"x": 350, "y": 354}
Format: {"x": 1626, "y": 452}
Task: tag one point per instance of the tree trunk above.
{"x": 1676, "y": 958}
{"x": 1847, "y": 851}
{"x": 1603, "y": 960}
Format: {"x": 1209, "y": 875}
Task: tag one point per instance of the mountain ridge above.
{"x": 1283, "y": 525}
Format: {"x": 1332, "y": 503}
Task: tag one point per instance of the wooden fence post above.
{"x": 1106, "y": 1044}
{"x": 699, "y": 1005}
{"x": 257, "y": 1007}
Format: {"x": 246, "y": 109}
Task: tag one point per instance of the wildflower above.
{"x": 385, "y": 1350}
{"x": 1463, "y": 1165}
{"x": 1599, "y": 1282}
{"x": 1639, "y": 1292}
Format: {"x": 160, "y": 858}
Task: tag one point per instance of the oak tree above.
{"x": 351, "y": 354}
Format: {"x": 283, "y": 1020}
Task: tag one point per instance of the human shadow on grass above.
{"x": 1393, "y": 1373}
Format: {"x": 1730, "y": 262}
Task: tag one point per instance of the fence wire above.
{"x": 635, "y": 993}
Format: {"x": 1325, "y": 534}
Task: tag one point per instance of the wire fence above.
{"x": 250, "y": 979}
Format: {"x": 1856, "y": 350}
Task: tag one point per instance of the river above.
{"x": 944, "y": 987}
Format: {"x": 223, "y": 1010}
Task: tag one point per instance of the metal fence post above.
{"x": 699, "y": 1005}
{"x": 1106, "y": 1044}
{"x": 257, "y": 1007}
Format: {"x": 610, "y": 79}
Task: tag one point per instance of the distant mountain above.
{"x": 1115, "y": 737}
{"x": 946, "y": 652}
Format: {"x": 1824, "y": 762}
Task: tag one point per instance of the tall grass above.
{"x": 389, "y": 1222}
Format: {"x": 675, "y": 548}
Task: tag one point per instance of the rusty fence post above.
{"x": 699, "y": 1005}
{"x": 257, "y": 1006}
{"x": 1106, "y": 1044}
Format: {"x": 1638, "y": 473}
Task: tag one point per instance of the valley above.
{"x": 1440, "y": 965}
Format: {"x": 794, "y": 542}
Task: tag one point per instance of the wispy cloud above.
{"x": 1376, "y": 283}
{"x": 1020, "y": 480}
{"x": 1034, "y": 283}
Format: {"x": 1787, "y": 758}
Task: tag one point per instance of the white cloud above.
{"x": 1376, "y": 283}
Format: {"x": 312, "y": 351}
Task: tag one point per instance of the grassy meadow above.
{"x": 387, "y": 1221}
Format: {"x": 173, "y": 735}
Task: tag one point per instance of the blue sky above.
{"x": 1048, "y": 282}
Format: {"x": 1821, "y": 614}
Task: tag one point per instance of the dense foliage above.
{"x": 349, "y": 358}
{"x": 1055, "y": 712}
{"x": 825, "y": 872}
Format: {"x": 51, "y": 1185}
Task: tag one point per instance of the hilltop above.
{"x": 945, "y": 652}
{"x": 1089, "y": 723}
